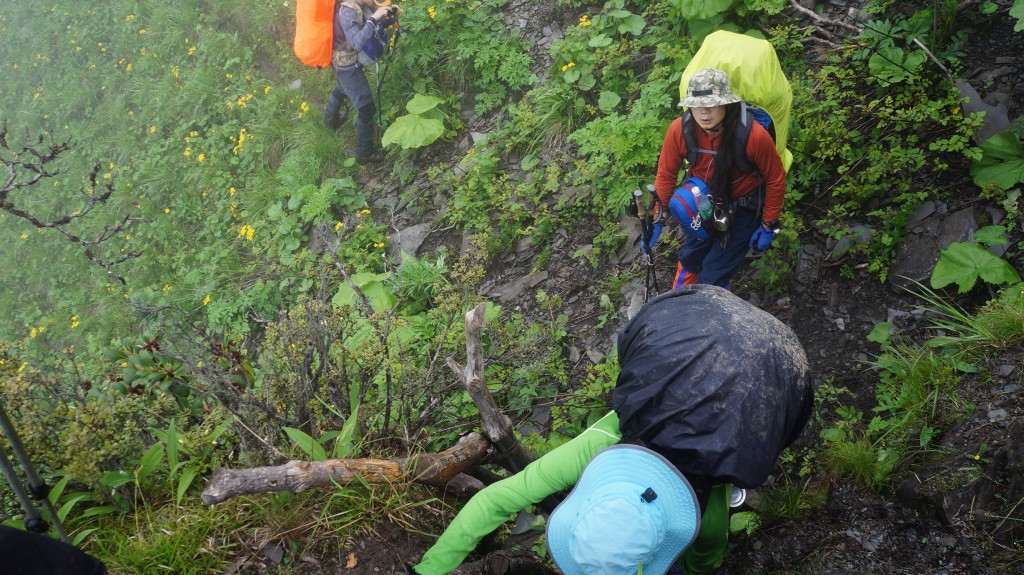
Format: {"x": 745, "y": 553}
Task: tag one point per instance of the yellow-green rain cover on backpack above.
{"x": 754, "y": 75}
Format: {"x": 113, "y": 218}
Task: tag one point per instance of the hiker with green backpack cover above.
{"x": 723, "y": 147}
{"x": 733, "y": 164}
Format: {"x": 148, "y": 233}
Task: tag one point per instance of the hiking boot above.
{"x": 336, "y": 120}
{"x": 373, "y": 158}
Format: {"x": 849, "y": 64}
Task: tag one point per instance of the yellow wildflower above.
{"x": 206, "y": 300}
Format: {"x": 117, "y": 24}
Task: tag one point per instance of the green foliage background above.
{"x": 239, "y": 336}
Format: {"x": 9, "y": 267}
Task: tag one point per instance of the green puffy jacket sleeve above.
{"x": 498, "y": 503}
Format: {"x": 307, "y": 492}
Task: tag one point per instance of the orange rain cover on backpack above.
{"x": 314, "y": 31}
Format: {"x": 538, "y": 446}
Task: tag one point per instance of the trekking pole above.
{"x": 647, "y": 222}
{"x": 37, "y": 488}
{"x": 392, "y": 43}
{"x": 654, "y": 213}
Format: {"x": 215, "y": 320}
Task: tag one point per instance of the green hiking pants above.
{"x": 708, "y": 549}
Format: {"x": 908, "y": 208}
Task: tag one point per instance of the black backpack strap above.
{"x": 743, "y": 126}
{"x": 689, "y": 138}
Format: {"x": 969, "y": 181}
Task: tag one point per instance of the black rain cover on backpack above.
{"x": 716, "y": 385}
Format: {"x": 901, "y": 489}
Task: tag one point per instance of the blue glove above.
{"x": 761, "y": 239}
{"x": 655, "y": 234}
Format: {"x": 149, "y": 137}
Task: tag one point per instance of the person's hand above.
{"x": 383, "y": 12}
{"x": 762, "y": 238}
{"x": 655, "y": 234}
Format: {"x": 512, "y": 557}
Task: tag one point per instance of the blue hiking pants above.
{"x": 707, "y": 261}
{"x": 351, "y": 82}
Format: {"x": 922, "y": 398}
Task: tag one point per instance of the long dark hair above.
{"x": 725, "y": 159}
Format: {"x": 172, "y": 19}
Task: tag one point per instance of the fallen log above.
{"x": 435, "y": 469}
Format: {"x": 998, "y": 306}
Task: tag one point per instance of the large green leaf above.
{"x": 1017, "y": 11}
{"x": 421, "y": 103}
{"x": 608, "y": 100}
{"x": 892, "y": 65}
{"x": 413, "y": 131}
{"x": 963, "y": 263}
{"x": 381, "y": 297}
{"x": 1001, "y": 163}
{"x": 991, "y": 235}
{"x": 632, "y": 24}
{"x": 703, "y": 9}
{"x": 187, "y": 476}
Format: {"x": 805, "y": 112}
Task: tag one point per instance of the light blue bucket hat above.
{"x": 631, "y": 512}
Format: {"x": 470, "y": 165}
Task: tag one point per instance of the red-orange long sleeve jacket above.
{"x": 760, "y": 151}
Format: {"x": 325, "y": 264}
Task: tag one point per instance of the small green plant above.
{"x": 997, "y": 325}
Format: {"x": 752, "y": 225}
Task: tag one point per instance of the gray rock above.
{"x": 997, "y": 415}
{"x": 1006, "y": 370}
{"x": 993, "y": 73}
{"x": 859, "y": 235}
{"x": 635, "y": 303}
{"x": 410, "y": 239}
{"x": 917, "y": 254}
{"x": 807, "y": 263}
{"x": 926, "y": 209}
{"x": 996, "y": 118}
{"x": 513, "y": 290}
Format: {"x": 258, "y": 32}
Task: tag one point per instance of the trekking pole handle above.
{"x": 656, "y": 206}
{"x": 641, "y": 210}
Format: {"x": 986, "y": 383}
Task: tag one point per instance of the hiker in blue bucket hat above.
{"x": 710, "y": 391}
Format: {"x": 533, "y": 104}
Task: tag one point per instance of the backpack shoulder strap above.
{"x": 689, "y": 138}
{"x": 354, "y": 7}
{"x": 743, "y": 126}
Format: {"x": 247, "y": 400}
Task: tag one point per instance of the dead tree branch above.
{"x": 496, "y": 425}
{"x": 29, "y": 165}
{"x": 435, "y": 469}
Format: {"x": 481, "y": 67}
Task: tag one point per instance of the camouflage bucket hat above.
{"x": 707, "y": 88}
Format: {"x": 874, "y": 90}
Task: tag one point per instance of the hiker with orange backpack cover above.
{"x": 353, "y": 30}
